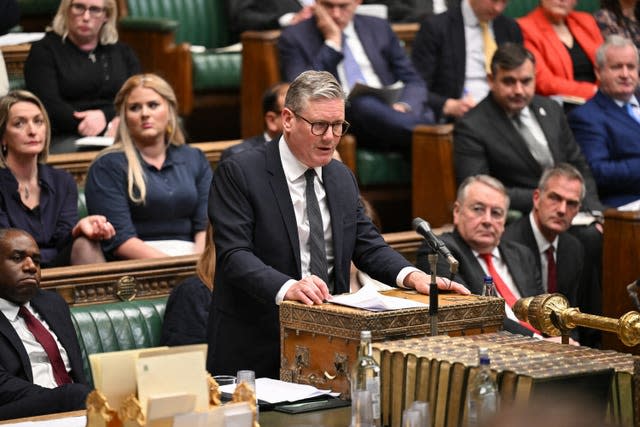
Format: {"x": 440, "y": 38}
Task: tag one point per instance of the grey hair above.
{"x": 565, "y": 170}
{"x": 613, "y": 40}
{"x": 483, "y": 179}
{"x": 312, "y": 85}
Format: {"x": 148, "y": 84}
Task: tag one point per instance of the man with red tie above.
{"x": 479, "y": 216}
{"x": 41, "y": 368}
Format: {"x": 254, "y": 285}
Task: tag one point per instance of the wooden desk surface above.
{"x": 338, "y": 417}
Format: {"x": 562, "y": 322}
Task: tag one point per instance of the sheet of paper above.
{"x": 370, "y": 299}
{"x": 389, "y": 94}
{"x": 275, "y": 391}
{"x": 165, "y": 374}
{"x": 61, "y": 422}
{"x": 632, "y": 206}
{"x": 94, "y": 141}
{"x": 19, "y": 38}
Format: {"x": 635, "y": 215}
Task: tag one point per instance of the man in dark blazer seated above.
{"x": 607, "y": 127}
{"x": 272, "y": 104}
{"x": 259, "y": 15}
{"x": 37, "y": 375}
{"x": 356, "y": 48}
{"x": 479, "y": 216}
{"x": 278, "y": 239}
{"x": 449, "y": 53}
{"x": 513, "y": 134}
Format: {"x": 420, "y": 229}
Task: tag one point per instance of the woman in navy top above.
{"x": 37, "y": 198}
{"x": 151, "y": 186}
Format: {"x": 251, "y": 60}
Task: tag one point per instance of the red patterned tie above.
{"x": 552, "y": 284}
{"x": 47, "y": 342}
{"x": 503, "y": 289}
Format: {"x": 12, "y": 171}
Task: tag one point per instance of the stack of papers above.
{"x": 276, "y": 391}
{"x": 370, "y": 299}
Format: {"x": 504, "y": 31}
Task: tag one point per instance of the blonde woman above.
{"x": 150, "y": 184}
{"x": 77, "y": 69}
{"x": 37, "y": 198}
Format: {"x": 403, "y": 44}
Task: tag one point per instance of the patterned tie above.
{"x": 632, "y": 110}
{"x": 489, "y": 44}
{"x": 538, "y": 150}
{"x": 316, "y": 231}
{"x": 351, "y": 68}
{"x": 503, "y": 289}
{"x": 49, "y": 345}
{"x": 552, "y": 284}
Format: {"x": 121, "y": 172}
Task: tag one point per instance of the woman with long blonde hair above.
{"x": 153, "y": 187}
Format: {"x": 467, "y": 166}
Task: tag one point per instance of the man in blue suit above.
{"x": 607, "y": 127}
{"x": 363, "y": 49}
{"x": 260, "y": 208}
{"x": 35, "y": 379}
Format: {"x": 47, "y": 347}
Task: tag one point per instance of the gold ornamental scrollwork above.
{"x": 126, "y": 288}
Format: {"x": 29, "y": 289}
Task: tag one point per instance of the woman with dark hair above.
{"x": 37, "y": 198}
{"x": 620, "y": 17}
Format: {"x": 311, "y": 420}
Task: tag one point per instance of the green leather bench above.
{"x": 117, "y": 326}
{"x": 180, "y": 40}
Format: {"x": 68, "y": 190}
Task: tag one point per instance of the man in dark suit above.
{"x": 277, "y": 239}
{"x": 272, "y": 104}
{"x": 33, "y": 380}
{"x": 412, "y": 10}
{"x": 556, "y": 202}
{"x": 357, "y": 48}
{"x": 608, "y": 125}
{"x": 479, "y": 216}
{"x": 490, "y": 139}
{"x": 449, "y": 53}
{"x": 259, "y": 15}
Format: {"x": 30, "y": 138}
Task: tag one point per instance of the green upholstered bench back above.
{"x": 117, "y": 326}
{"x": 202, "y": 22}
{"x": 383, "y": 167}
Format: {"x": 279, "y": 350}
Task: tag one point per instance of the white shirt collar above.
{"x": 542, "y": 243}
{"x": 469, "y": 17}
{"x": 293, "y": 168}
{"x": 632, "y": 101}
{"x": 350, "y": 30}
{"x": 10, "y": 310}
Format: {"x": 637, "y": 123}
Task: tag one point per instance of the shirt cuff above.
{"x": 333, "y": 46}
{"x": 283, "y": 290}
{"x": 403, "y": 275}
{"x": 285, "y": 20}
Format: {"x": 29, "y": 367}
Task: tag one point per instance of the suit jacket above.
{"x": 19, "y": 397}
{"x": 608, "y": 137}
{"x": 439, "y": 53}
{"x": 302, "y": 48}
{"x": 486, "y": 142}
{"x": 258, "y": 250}
{"x": 554, "y": 68}
{"x": 518, "y": 258}
{"x": 409, "y": 10}
{"x": 569, "y": 257}
{"x": 247, "y": 144}
{"x": 258, "y": 15}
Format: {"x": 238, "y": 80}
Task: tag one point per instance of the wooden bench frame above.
{"x": 152, "y": 278}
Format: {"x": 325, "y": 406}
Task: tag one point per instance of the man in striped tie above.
{"x": 479, "y": 216}
{"x": 41, "y": 368}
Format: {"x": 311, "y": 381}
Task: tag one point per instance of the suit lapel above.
{"x": 331, "y": 188}
{"x": 549, "y": 129}
{"x": 458, "y": 43}
{"x": 510, "y": 135}
{"x": 475, "y": 274}
{"x": 280, "y": 189}
{"x": 12, "y": 336}
{"x": 616, "y": 113}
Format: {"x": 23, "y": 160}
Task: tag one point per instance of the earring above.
{"x": 169, "y": 129}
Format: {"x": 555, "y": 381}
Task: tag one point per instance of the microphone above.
{"x": 423, "y": 228}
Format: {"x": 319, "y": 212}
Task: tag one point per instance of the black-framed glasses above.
{"x": 320, "y": 128}
{"x": 80, "y": 9}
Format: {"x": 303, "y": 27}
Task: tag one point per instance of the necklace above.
{"x": 25, "y": 191}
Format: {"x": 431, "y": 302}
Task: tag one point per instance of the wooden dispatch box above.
{"x": 319, "y": 343}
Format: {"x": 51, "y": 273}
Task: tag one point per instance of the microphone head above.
{"x": 418, "y": 222}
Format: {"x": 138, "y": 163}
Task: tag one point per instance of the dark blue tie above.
{"x": 316, "y": 231}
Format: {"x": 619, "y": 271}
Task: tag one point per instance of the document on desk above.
{"x": 61, "y": 422}
{"x": 369, "y": 298}
{"x": 276, "y": 391}
{"x": 389, "y": 94}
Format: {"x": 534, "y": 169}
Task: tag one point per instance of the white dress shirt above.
{"x": 543, "y": 244}
{"x": 475, "y": 76}
{"x": 503, "y": 270}
{"x": 40, "y": 364}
